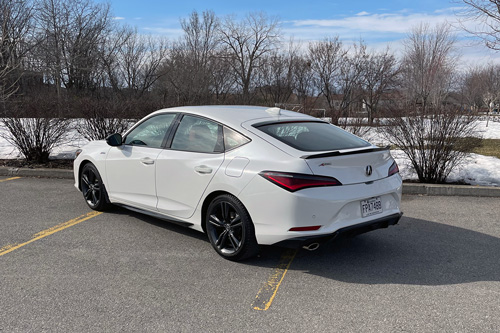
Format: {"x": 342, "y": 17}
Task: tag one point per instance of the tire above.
{"x": 230, "y": 229}
{"x": 93, "y": 189}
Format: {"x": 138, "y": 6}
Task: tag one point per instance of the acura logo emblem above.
{"x": 368, "y": 170}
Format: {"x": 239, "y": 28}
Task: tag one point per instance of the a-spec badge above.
{"x": 325, "y": 164}
{"x": 368, "y": 170}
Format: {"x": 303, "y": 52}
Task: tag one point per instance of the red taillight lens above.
{"x": 393, "y": 169}
{"x": 296, "y": 181}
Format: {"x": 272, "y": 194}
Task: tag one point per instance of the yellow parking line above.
{"x": 268, "y": 292}
{"x": 12, "y": 178}
{"x": 11, "y": 247}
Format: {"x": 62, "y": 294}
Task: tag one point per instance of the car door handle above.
{"x": 147, "y": 161}
{"x": 203, "y": 169}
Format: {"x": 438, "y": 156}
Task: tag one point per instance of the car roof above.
{"x": 235, "y": 115}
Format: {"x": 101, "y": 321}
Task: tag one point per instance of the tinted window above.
{"x": 198, "y": 135}
{"x": 233, "y": 139}
{"x": 313, "y": 136}
{"x": 151, "y": 132}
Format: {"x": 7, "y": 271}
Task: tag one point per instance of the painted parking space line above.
{"x": 7, "y": 179}
{"x": 268, "y": 292}
{"x": 42, "y": 234}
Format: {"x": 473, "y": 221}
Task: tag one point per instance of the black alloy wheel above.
{"x": 230, "y": 228}
{"x": 93, "y": 188}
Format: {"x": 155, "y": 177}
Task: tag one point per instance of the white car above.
{"x": 244, "y": 175}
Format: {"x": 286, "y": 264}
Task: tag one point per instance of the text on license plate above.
{"x": 371, "y": 207}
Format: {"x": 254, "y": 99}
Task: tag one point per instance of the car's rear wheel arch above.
{"x": 206, "y": 203}
{"x": 229, "y": 227}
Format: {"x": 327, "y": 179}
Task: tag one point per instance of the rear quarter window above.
{"x": 313, "y": 136}
{"x": 233, "y": 139}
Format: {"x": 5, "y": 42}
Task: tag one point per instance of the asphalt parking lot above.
{"x": 64, "y": 268}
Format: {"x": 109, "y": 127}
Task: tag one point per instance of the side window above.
{"x": 198, "y": 135}
{"x": 151, "y": 132}
{"x": 233, "y": 139}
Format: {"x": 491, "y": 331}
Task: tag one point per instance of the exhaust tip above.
{"x": 311, "y": 247}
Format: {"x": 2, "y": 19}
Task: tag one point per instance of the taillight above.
{"x": 393, "y": 169}
{"x": 296, "y": 181}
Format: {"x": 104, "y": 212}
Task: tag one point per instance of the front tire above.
{"x": 93, "y": 189}
{"x": 230, "y": 229}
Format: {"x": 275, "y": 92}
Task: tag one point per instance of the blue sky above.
{"x": 378, "y": 23}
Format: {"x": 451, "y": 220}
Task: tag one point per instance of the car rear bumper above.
{"x": 349, "y": 231}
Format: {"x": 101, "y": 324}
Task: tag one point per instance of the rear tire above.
{"x": 93, "y": 189}
{"x": 230, "y": 228}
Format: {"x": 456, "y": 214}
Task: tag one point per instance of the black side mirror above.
{"x": 114, "y": 140}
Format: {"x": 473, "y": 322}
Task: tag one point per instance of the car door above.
{"x": 185, "y": 170}
{"x": 131, "y": 167}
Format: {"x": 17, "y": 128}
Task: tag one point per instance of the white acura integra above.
{"x": 244, "y": 175}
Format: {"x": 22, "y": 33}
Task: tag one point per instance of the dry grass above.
{"x": 489, "y": 147}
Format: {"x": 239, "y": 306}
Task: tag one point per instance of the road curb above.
{"x": 38, "y": 172}
{"x": 408, "y": 188}
{"x": 451, "y": 190}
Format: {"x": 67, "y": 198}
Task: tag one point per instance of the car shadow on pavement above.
{"x": 269, "y": 256}
{"x": 415, "y": 252}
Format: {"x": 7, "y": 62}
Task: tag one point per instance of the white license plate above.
{"x": 371, "y": 207}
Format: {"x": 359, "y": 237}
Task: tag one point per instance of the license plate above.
{"x": 371, "y": 207}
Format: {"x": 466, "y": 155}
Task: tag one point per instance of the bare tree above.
{"x": 434, "y": 136}
{"x": 481, "y": 86}
{"x": 436, "y": 140}
{"x": 275, "y": 76}
{"x": 189, "y": 69}
{"x": 110, "y": 57}
{"x": 34, "y": 129}
{"x": 485, "y": 18}
{"x": 74, "y": 30}
{"x": 378, "y": 77}
{"x": 351, "y": 70}
{"x": 246, "y": 42}
{"x": 327, "y": 58}
{"x": 428, "y": 65}
{"x": 222, "y": 81}
{"x": 16, "y": 40}
{"x": 303, "y": 79}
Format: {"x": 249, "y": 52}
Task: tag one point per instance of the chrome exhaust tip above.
{"x": 311, "y": 247}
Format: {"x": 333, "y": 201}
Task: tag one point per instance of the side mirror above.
{"x": 114, "y": 140}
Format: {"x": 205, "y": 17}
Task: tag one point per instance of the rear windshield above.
{"x": 313, "y": 136}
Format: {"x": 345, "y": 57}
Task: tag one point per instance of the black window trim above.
{"x": 170, "y": 128}
{"x": 175, "y": 127}
{"x": 169, "y": 136}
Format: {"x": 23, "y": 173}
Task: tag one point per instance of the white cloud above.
{"x": 168, "y": 32}
{"x": 388, "y": 22}
{"x": 118, "y": 18}
{"x": 363, "y": 13}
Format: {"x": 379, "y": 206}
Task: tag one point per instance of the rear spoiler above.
{"x": 339, "y": 153}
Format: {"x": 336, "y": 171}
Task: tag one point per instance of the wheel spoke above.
{"x": 85, "y": 179}
{"x": 87, "y": 194}
{"x": 234, "y": 241}
{"x": 92, "y": 177}
{"x": 236, "y": 221}
{"x": 215, "y": 221}
{"x": 222, "y": 239}
{"x": 225, "y": 211}
{"x": 94, "y": 198}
